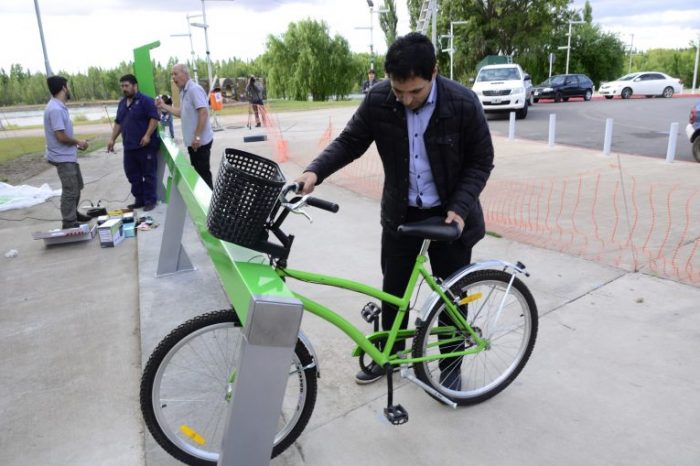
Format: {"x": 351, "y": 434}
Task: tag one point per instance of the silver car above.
{"x": 646, "y": 83}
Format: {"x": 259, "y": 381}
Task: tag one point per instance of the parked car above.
{"x": 563, "y": 87}
{"x": 504, "y": 88}
{"x": 693, "y": 130}
{"x": 646, "y": 83}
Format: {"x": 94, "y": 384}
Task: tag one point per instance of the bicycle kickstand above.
{"x": 395, "y": 413}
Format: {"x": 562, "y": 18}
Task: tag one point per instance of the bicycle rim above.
{"x": 509, "y": 325}
{"x": 192, "y": 388}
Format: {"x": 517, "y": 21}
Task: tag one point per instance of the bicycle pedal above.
{"x": 396, "y": 414}
{"x": 370, "y": 312}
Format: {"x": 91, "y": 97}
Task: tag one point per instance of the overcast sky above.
{"x": 83, "y": 33}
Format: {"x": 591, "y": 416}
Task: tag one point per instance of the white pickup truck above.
{"x": 504, "y": 88}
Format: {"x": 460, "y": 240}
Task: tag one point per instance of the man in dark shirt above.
{"x": 371, "y": 81}
{"x": 137, "y": 119}
{"x": 436, "y": 148}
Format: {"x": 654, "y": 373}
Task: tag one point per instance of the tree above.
{"x": 388, "y": 21}
{"x": 500, "y": 27}
{"x": 305, "y": 61}
{"x": 414, "y": 12}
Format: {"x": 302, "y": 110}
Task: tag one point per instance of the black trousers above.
{"x": 399, "y": 254}
{"x": 200, "y": 161}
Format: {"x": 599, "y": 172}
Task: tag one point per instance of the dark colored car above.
{"x": 693, "y": 130}
{"x": 563, "y": 87}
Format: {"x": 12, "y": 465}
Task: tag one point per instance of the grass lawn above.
{"x": 13, "y": 148}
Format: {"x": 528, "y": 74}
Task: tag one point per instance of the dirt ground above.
{"x": 16, "y": 171}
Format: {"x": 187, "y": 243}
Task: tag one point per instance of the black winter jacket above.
{"x": 457, "y": 140}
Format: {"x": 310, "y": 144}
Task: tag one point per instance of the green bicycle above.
{"x": 472, "y": 337}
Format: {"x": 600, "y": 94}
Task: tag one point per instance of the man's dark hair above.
{"x": 412, "y": 55}
{"x": 128, "y": 78}
{"x": 55, "y": 84}
{"x": 166, "y": 99}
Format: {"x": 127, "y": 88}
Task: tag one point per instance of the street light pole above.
{"x": 568, "y": 44}
{"x": 695, "y": 71}
{"x": 189, "y": 34}
{"x": 372, "y": 11}
{"x": 629, "y": 67}
{"x": 43, "y": 42}
{"x": 452, "y": 38}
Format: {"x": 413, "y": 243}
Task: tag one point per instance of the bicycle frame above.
{"x": 402, "y": 303}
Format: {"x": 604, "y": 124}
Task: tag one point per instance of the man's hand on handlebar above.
{"x": 309, "y": 179}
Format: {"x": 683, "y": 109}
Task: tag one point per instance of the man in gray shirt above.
{"x": 61, "y": 150}
{"x": 194, "y": 113}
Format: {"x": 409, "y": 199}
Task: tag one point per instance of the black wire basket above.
{"x": 244, "y": 195}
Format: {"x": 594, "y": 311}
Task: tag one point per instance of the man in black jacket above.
{"x": 435, "y": 145}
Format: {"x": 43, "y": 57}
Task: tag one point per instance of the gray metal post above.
{"x": 173, "y": 258}
{"x": 607, "y": 142}
{"x": 672, "y": 140}
{"x": 271, "y": 330}
{"x": 552, "y": 128}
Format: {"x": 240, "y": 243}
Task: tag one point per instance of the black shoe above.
{"x": 373, "y": 373}
{"x": 148, "y": 207}
{"x": 257, "y": 125}
{"x": 82, "y": 217}
{"x": 68, "y": 225}
{"x": 135, "y": 205}
{"x": 451, "y": 380}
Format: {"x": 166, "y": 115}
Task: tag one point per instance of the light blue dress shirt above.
{"x": 422, "y": 191}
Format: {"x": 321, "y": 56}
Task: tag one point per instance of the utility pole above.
{"x": 43, "y": 42}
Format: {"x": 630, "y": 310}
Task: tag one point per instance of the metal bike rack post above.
{"x": 263, "y": 370}
{"x": 173, "y": 258}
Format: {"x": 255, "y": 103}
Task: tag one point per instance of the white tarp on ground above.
{"x": 19, "y": 197}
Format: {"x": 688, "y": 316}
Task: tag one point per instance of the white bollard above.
{"x": 672, "y": 139}
{"x": 552, "y": 128}
{"x": 607, "y": 142}
{"x": 511, "y": 126}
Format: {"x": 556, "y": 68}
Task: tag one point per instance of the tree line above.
{"x": 306, "y": 62}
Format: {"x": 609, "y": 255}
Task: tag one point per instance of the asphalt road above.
{"x": 640, "y": 126}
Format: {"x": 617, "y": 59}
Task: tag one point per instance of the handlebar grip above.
{"x": 321, "y": 204}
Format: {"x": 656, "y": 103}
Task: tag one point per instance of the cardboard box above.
{"x": 69, "y": 235}
{"x": 129, "y": 230}
{"x": 111, "y": 233}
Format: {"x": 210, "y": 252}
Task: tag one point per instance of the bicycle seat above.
{"x": 433, "y": 228}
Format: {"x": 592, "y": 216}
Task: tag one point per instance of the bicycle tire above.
{"x": 479, "y": 380}
{"x": 165, "y": 377}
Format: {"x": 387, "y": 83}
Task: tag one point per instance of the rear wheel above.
{"x": 565, "y": 99}
{"x": 187, "y": 385}
{"x": 557, "y": 97}
{"x": 668, "y": 92}
{"x": 696, "y": 148}
{"x": 535, "y": 99}
{"x": 505, "y": 316}
{"x": 626, "y": 93}
{"x": 588, "y": 95}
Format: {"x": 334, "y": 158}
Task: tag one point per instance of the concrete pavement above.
{"x": 611, "y": 380}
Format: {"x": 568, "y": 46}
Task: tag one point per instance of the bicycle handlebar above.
{"x": 308, "y": 200}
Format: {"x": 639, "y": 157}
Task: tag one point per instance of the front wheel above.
{"x": 588, "y": 95}
{"x": 696, "y": 149}
{"x": 626, "y": 93}
{"x": 608, "y": 97}
{"x": 521, "y": 113}
{"x": 188, "y": 381}
{"x": 504, "y": 316}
